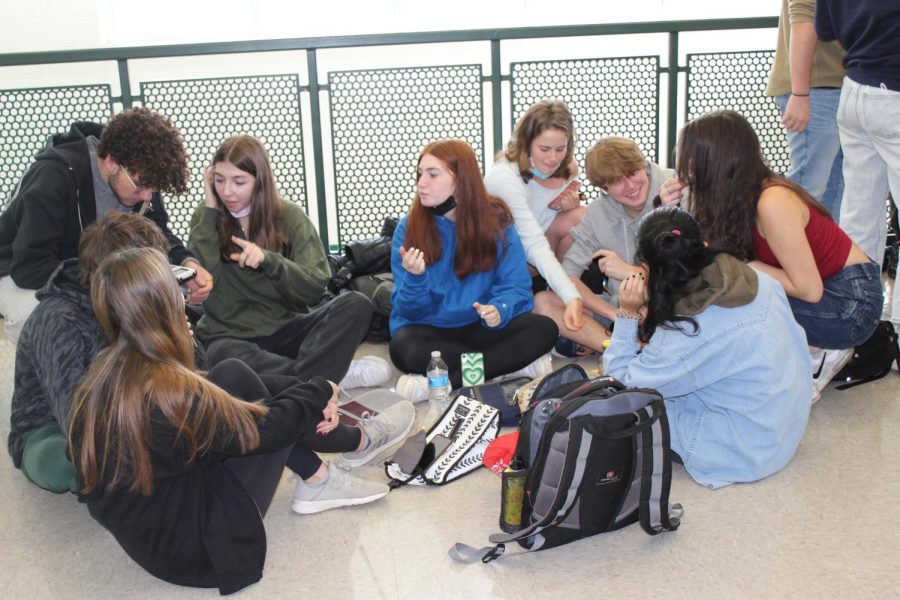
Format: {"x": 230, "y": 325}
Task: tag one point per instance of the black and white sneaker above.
{"x": 826, "y": 364}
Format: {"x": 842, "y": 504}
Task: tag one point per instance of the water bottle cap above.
{"x": 435, "y": 353}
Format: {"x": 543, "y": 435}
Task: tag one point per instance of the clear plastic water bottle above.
{"x": 438, "y": 386}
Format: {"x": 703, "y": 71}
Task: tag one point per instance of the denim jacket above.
{"x": 738, "y": 392}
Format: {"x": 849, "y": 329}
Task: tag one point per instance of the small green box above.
{"x": 472, "y": 368}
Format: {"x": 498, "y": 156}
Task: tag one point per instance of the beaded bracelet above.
{"x": 622, "y": 314}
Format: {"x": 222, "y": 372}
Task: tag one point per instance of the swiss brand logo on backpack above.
{"x": 595, "y": 458}
{"x": 609, "y": 477}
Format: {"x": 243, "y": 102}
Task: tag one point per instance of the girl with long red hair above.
{"x": 461, "y": 283}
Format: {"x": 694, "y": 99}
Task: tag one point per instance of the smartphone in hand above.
{"x": 556, "y": 203}
{"x": 183, "y": 274}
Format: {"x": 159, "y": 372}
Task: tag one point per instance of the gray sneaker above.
{"x": 340, "y": 489}
{"x": 384, "y": 430}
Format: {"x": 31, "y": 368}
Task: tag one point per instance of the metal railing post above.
{"x": 496, "y": 96}
{"x": 318, "y": 153}
{"x": 672, "y": 102}
{"x": 125, "y": 83}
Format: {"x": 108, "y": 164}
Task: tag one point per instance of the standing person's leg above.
{"x": 815, "y": 151}
{"x": 323, "y": 342}
{"x": 883, "y": 114}
{"x": 895, "y": 306}
{"x": 865, "y": 173}
{"x": 834, "y": 191}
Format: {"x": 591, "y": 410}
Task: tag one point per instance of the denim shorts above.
{"x": 849, "y": 310}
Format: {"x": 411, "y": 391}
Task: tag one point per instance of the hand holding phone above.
{"x": 568, "y": 196}
{"x": 183, "y": 274}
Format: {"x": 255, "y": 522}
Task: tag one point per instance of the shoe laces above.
{"x": 338, "y": 467}
{"x": 376, "y": 430}
{"x": 342, "y": 477}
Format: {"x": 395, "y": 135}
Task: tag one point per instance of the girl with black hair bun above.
{"x": 721, "y": 346}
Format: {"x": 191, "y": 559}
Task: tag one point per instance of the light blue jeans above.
{"x": 816, "y": 159}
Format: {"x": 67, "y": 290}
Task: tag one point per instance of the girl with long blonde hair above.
{"x": 537, "y": 178}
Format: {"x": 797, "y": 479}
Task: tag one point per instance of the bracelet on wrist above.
{"x": 624, "y": 314}
{"x": 806, "y": 95}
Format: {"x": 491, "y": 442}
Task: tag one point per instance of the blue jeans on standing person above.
{"x": 816, "y": 159}
{"x": 849, "y": 310}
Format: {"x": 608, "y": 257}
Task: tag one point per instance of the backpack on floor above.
{"x": 872, "y": 359}
{"x": 453, "y": 446}
{"x": 596, "y": 458}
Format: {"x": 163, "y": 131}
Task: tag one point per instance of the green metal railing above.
{"x": 380, "y": 118}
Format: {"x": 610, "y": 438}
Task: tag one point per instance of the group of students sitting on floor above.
{"x": 717, "y": 303}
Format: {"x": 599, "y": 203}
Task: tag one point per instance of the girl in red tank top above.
{"x": 746, "y": 209}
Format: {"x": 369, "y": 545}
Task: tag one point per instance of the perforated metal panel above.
{"x": 29, "y": 116}
{"x": 207, "y": 111}
{"x": 381, "y": 120}
{"x": 607, "y": 96}
{"x": 737, "y": 81}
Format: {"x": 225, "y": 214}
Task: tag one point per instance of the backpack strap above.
{"x": 557, "y": 506}
{"x": 576, "y": 454}
{"x": 656, "y": 514}
{"x": 651, "y": 431}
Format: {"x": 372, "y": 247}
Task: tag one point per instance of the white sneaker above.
{"x": 340, "y": 489}
{"x": 368, "y": 371}
{"x": 831, "y": 362}
{"x": 384, "y": 430}
{"x": 816, "y": 355}
{"x": 413, "y": 387}
{"x": 543, "y": 365}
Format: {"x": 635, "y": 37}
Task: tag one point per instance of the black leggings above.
{"x": 524, "y": 339}
{"x": 260, "y": 473}
{"x": 318, "y": 343}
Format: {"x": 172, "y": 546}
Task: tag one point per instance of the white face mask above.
{"x": 242, "y": 213}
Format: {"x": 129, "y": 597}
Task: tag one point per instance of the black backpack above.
{"x": 597, "y": 458}
{"x": 871, "y": 360}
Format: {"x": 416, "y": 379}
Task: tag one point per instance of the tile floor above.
{"x": 825, "y": 527}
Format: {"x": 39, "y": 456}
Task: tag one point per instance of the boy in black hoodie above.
{"x": 80, "y": 176}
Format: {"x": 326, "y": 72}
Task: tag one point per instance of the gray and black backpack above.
{"x": 596, "y": 458}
